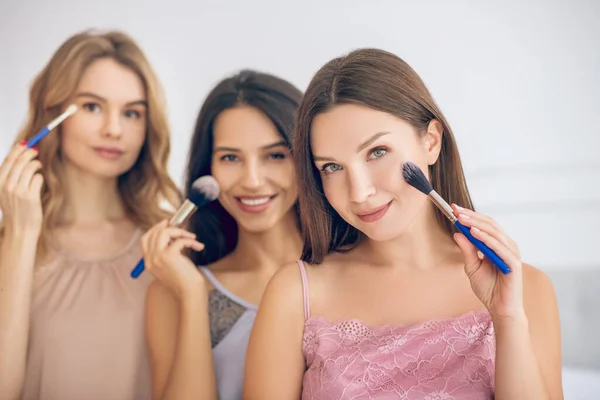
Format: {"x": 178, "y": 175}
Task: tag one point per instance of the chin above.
{"x": 382, "y": 235}
{"x": 102, "y": 169}
{"x": 262, "y": 225}
{"x": 109, "y": 173}
{"x": 384, "y": 229}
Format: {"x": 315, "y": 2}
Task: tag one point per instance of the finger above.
{"x": 472, "y": 260}
{"x": 37, "y": 182}
{"x": 27, "y": 175}
{"x": 168, "y": 234}
{"x": 474, "y": 215}
{"x": 149, "y": 240}
{"x": 484, "y": 225}
{"x": 185, "y": 243}
{"x": 163, "y": 235}
{"x": 14, "y": 175}
{"x": 171, "y": 233}
{"x": 510, "y": 258}
{"x": 9, "y": 160}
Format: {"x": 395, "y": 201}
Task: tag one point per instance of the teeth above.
{"x": 255, "y": 202}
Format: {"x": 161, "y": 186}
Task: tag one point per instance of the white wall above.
{"x": 520, "y": 84}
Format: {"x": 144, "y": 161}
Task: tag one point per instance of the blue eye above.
{"x": 377, "y": 153}
{"x": 330, "y": 168}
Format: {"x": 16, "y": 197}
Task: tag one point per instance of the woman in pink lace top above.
{"x": 389, "y": 302}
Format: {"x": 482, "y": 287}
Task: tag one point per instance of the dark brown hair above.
{"x": 274, "y": 97}
{"x": 382, "y": 81}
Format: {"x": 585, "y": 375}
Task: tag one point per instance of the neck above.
{"x": 424, "y": 245}
{"x": 266, "y": 250}
{"x": 91, "y": 201}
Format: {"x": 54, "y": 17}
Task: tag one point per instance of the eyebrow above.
{"x": 102, "y": 99}
{"x": 360, "y": 148}
{"x": 267, "y": 147}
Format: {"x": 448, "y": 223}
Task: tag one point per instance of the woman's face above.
{"x": 360, "y": 152}
{"x": 253, "y": 166}
{"x": 105, "y": 136}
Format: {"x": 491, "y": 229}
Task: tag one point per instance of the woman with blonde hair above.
{"x": 71, "y": 318}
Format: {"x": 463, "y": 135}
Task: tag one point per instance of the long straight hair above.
{"x": 274, "y": 97}
{"x": 381, "y": 81}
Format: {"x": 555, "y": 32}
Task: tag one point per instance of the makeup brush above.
{"x": 72, "y": 109}
{"x": 413, "y": 175}
{"x": 204, "y": 190}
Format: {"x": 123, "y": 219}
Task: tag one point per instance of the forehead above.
{"x": 111, "y": 80}
{"x": 344, "y": 128}
{"x": 244, "y": 127}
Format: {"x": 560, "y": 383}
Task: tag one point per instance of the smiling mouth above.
{"x": 256, "y": 201}
{"x": 375, "y": 214}
{"x": 254, "y": 204}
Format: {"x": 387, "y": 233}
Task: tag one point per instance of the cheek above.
{"x": 335, "y": 191}
{"x": 283, "y": 174}
{"x": 75, "y": 131}
{"x": 135, "y": 133}
{"x": 224, "y": 174}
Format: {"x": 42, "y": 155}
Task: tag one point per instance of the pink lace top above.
{"x": 437, "y": 360}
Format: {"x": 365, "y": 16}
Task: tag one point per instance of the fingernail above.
{"x": 35, "y": 148}
{"x": 23, "y": 143}
{"x": 459, "y": 207}
{"x": 464, "y": 216}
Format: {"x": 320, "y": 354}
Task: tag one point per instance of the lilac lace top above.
{"x": 437, "y": 360}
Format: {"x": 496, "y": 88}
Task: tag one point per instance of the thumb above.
{"x": 472, "y": 260}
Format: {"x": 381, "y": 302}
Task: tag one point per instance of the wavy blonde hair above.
{"x": 147, "y": 183}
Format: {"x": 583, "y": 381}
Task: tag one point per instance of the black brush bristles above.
{"x": 204, "y": 190}
{"x": 413, "y": 175}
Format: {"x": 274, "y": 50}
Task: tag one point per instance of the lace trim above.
{"x": 223, "y": 313}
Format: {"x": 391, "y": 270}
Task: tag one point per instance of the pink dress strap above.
{"x": 304, "y": 289}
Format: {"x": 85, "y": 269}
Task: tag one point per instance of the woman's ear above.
{"x": 432, "y": 140}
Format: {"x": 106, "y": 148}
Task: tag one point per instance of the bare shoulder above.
{"x": 537, "y": 286}
{"x": 539, "y": 298}
{"x": 286, "y": 285}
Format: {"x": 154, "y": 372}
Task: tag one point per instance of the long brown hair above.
{"x": 382, "y": 81}
{"x": 278, "y": 99}
{"x": 147, "y": 183}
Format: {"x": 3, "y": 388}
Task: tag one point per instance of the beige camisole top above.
{"x": 87, "y": 337}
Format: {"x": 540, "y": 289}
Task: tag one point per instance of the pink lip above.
{"x": 108, "y": 152}
{"x": 254, "y": 209}
{"x": 374, "y": 214}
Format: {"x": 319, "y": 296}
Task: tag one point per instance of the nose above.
{"x": 113, "y": 128}
{"x": 360, "y": 185}
{"x": 252, "y": 177}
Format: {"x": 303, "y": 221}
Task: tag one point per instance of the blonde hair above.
{"x": 147, "y": 182}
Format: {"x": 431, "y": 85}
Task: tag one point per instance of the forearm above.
{"x": 192, "y": 374}
{"x": 518, "y": 375}
{"x": 17, "y": 259}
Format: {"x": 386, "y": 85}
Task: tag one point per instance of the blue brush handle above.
{"x": 139, "y": 268}
{"x": 36, "y": 139}
{"x": 489, "y": 253}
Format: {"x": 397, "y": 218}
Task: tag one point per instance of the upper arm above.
{"x": 274, "y": 361}
{"x": 162, "y": 321}
{"x": 541, "y": 308}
